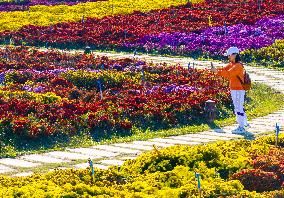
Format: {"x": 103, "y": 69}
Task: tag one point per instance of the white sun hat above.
{"x": 232, "y": 50}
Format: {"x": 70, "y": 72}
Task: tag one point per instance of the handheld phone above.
{"x": 212, "y": 65}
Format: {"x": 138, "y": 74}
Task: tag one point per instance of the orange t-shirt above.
{"x": 231, "y": 71}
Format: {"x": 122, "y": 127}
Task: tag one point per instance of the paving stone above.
{"x": 23, "y": 174}
{"x": 82, "y": 165}
{"x": 117, "y": 149}
{"x": 18, "y": 163}
{"x": 253, "y": 130}
{"x": 42, "y": 158}
{"x": 265, "y": 124}
{"x": 112, "y": 162}
{"x": 172, "y": 141}
{"x": 267, "y": 121}
{"x": 262, "y": 120}
{"x": 70, "y": 156}
{"x": 100, "y": 166}
{"x": 190, "y": 139}
{"x": 143, "y": 56}
{"x": 221, "y": 134}
{"x": 261, "y": 123}
{"x": 261, "y": 126}
{"x": 275, "y": 114}
{"x": 5, "y": 169}
{"x": 114, "y": 55}
{"x": 94, "y": 152}
{"x": 134, "y": 146}
{"x": 258, "y": 130}
{"x": 147, "y": 143}
{"x": 209, "y": 137}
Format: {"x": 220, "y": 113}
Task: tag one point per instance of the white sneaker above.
{"x": 239, "y": 131}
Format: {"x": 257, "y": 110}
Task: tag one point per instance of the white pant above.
{"x": 238, "y": 97}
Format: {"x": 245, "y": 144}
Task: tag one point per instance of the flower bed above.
{"x": 177, "y": 30}
{"x": 272, "y": 55}
{"x": 24, "y": 5}
{"x": 169, "y": 172}
{"x": 214, "y": 41}
{"x": 48, "y": 15}
{"x": 76, "y": 95}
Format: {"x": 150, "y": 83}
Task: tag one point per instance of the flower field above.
{"x": 44, "y": 93}
{"x": 190, "y": 29}
{"x": 48, "y": 15}
{"x": 50, "y": 97}
{"x": 226, "y": 169}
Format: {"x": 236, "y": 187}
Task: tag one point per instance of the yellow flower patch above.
{"x": 41, "y": 15}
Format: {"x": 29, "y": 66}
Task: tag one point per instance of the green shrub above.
{"x": 164, "y": 173}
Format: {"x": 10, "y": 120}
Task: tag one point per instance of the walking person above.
{"x": 234, "y": 72}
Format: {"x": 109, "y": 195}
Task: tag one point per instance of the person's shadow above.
{"x": 249, "y": 135}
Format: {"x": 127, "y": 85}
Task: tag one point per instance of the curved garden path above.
{"x": 104, "y": 156}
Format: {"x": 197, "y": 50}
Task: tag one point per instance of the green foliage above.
{"x": 222, "y": 156}
{"x": 110, "y": 78}
{"x": 17, "y": 77}
{"x": 166, "y": 173}
{"x": 272, "y": 55}
{"x": 271, "y": 140}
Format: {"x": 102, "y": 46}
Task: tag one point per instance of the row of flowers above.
{"x": 178, "y": 30}
{"x": 169, "y": 172}
{"x": 215, "y": 40}
{"x": 48, "y": 15}
{"x": 54, "y": 61}
{"x": 118, "y": 96}
{"x": 24, "y": 5}
{"x": 272, "y": 55}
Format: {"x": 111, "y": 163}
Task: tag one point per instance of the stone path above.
{"x": 104, "y": 156}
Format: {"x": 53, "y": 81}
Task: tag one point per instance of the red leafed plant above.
{"x": 258, "y": 180}
{"x": 267, "y": 173}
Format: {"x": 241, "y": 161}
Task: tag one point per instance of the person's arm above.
{"x": 215, "y": 70}
{"x": 224, "y": 71}
{"x": 228, "y": 71}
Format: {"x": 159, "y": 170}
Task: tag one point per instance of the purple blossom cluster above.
{"x": 173, "y": 88}
{"x": 54, "y": 72}
{"x": 216, "y": 40}
{"x": 2, "y": 77}
{"x": 152, "y": 90}
{"x": 179, "y": 88}
{"x": 34, "y": 71}
{"x": 37, "y": 89}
